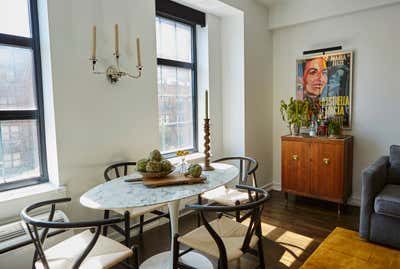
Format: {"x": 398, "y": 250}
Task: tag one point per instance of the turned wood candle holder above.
{"x": 207, "y": 166}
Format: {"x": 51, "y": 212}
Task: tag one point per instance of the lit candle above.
{"x": 206, "y": 104}
{"x": 116, "y": 41}
{"x": 94, "y": 43}
{"x": 139, "y": 58}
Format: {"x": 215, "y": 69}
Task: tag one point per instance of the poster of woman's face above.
{"x": 327, "y": 79}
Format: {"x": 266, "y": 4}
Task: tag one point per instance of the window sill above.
{"x": 191, "y": 158}
{"x": 45, "y": 188}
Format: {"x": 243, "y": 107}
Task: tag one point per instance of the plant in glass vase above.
{"x": 295, "y": 113}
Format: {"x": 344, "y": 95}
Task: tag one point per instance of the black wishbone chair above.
{"x": 86, "y": 250}
{"x": 122, "y": 169}
{"x": 230, "y": 196}
{"x": 225, "y": 238}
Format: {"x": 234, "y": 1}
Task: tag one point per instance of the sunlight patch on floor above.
{"x": 295, "y": 244}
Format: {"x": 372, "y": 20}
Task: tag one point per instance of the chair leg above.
{"x": 135, "y": 257}
{"x": 175, "y": 252}
{"x": 106, "y": 216}
{"x": 237, "y": 203}
{"x": 199, "y": 201}
{"x": 127, "y": 229}
{"x": 141, "y": 224}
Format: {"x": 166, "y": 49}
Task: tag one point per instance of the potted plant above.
{"x": 334, "y": 127}
{"x": 295, "y": 113}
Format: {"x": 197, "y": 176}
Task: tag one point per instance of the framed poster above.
{"x": 327, "y": 79}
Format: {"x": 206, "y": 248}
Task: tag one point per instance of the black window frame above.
{"x": 32, "y": 43}
{"x": 187, "y": 65}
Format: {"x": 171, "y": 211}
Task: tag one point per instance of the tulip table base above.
{"x": 161, "y": 261}
{"x": 164, "y": 260}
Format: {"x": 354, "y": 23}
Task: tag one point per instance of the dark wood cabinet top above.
{"x": 343, "y": 139}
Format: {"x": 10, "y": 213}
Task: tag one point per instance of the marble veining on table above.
{"x": 117, "y": 193}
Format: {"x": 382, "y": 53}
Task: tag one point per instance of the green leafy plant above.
{"x": 295, "y": 113}
{"x": 334, "y": 127}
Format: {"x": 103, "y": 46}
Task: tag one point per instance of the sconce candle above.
{"x": 139, "y": 58}
{"x": 113, "y": 72}
{"x": 116, "y": 41}
{"x": 206, "y": 101}
{"x": 94, "y": 43}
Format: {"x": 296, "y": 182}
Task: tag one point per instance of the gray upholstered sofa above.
{"x": 380, "y": 200}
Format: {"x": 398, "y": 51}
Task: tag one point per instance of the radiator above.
{"x": 16, "y": 249}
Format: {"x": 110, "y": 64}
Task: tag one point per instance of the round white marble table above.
{"x": 118, "y": 194}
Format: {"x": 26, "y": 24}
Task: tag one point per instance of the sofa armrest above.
{"x": 373, "y": 180}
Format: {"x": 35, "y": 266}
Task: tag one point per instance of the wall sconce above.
{"x": 114, "y": 72}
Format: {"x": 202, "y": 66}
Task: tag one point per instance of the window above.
{"x": 177, "y": 91}
{"x": 22, "y": 147}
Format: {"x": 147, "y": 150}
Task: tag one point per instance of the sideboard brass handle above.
{"x": 326, "y": 161}
{"x": 295, "y": 157}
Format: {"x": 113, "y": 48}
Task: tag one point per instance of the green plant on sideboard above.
{"x": 334, "y": 127}
{"x": 295, "y": 113}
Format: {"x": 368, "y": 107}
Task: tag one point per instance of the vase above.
{"x": 296, "y": 130}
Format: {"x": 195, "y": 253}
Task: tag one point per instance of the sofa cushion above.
{"x": 394, "y": 169}
{"x": 387, "y": 202}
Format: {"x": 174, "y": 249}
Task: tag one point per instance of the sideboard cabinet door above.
{"x": 295, "y": 166}
{"x": 327, "y": 167}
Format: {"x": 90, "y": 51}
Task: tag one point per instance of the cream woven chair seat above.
{"x": 226, "y": 196}
{"x": 105, "y": 254}
{"x": 137, "y": 211}
{"x": 231, "y": 232}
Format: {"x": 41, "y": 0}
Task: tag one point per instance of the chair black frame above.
{"x": 247, "y": 168}
{"x": 126, "y": 231}
{"x": 255, "y": 206}
{"x": 95, "y": 227}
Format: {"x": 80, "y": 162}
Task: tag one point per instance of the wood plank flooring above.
{"x": 291, "y": 231}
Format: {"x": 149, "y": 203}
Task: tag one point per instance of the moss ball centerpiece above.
{"x": 155, "y": 166}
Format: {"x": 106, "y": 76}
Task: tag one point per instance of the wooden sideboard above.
{"x": 318, "y": 167}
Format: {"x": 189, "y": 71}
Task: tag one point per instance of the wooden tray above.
{"x": 172, "y": 180}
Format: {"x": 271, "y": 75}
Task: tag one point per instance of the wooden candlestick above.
{"x": 207, "y": 166}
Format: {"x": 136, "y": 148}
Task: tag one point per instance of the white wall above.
{"x": 289, "y": 13}
{"x": 233, "y": 109}
{"x": 372, "y": 36}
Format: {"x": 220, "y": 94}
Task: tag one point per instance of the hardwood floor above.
{"x": 291, "y": 231}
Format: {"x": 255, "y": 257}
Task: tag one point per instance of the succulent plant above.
{"x": 153, "y": 166}
{"x": 195, "y": 170}
{"x": 155, "y": 155}
{"x": 166, "y": 165}
{"x": 141, "y": 165}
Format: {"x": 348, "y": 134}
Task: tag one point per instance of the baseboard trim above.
{"x": 354, "y": 201}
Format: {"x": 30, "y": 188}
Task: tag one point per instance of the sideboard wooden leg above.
{"x": 287, "y": 198}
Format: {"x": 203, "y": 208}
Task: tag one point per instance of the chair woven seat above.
{"x": 231, "y": 232}
{"x": 105, "y": 254}
{"x": 226, "y": 196}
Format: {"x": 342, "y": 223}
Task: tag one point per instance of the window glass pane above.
{"x": 16, "y": 79}
{"x": 14, "y": 17}
{"x": 175, "y": 101}
{"x": 19, "y": 150}
{"x": 174, "y": 40}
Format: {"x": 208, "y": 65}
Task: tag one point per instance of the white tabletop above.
{"x": 118, "y": 194}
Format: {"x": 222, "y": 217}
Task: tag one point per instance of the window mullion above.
{"x": 19, "y": 41}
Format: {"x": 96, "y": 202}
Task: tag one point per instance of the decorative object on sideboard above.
{"x": 114, "y": 72}
{"x": 335, "y": 127}
{"x": 296, "y": 114}
{"x": 207, "y": 165}
{"x": 326, "y": 78}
